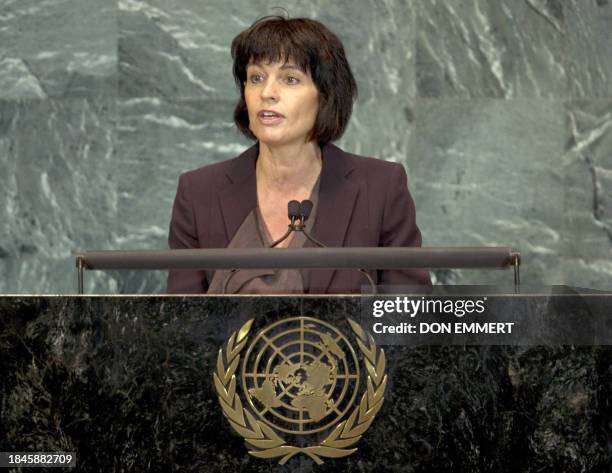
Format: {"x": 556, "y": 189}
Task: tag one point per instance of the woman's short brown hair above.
{"x": 313, "y": 48}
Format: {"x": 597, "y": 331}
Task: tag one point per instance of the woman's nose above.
{"x": 269, "y": 90}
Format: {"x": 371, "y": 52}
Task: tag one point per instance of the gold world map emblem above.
{"x": 300, "y": 378}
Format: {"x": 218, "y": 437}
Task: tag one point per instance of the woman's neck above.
{"x": 288, "y": 168}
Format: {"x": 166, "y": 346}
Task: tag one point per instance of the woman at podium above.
{"x": 296, "y": 97}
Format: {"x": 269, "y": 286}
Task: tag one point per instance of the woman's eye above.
{"x": 293, "y": 80}
{"x": 255, "y": 78}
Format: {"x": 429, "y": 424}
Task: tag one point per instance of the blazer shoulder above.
{"x": 216, "y": 174}
{"x": 209, "y": 172}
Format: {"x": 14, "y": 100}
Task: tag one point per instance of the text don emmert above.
{"x": 445, "y": 327}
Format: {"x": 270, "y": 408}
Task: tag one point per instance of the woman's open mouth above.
{"x": 269, "y": 117}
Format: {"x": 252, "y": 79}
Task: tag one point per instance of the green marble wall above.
{"x": 501, "y": 112}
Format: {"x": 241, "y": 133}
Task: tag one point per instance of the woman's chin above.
{"x": 275, "y": 141}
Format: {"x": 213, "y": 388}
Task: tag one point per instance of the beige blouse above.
{"x": 253, "y": 233}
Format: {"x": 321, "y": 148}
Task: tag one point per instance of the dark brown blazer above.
{"x": 362, "y": 202}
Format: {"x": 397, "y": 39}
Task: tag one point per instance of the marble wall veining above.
{"x": 500, "y": 111}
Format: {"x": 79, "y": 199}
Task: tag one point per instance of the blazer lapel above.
{"x": 240, "y": 196}
{"x": 337, "y": 196}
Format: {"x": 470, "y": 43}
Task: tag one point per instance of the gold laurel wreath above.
{"x": 266, "y": 443}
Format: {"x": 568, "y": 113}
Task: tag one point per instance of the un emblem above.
{"x": 300, "y": 378}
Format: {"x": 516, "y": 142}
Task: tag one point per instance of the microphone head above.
{"x": 305, "y": 209}
{"x": 293, "y": 209}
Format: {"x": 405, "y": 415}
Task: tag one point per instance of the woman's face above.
{"x": 282, "y": 102}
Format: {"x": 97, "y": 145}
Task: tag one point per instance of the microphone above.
{"x": 293, "y": 210}
{"x": 305, "y": 209}
{"x": 294, "y": 213}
